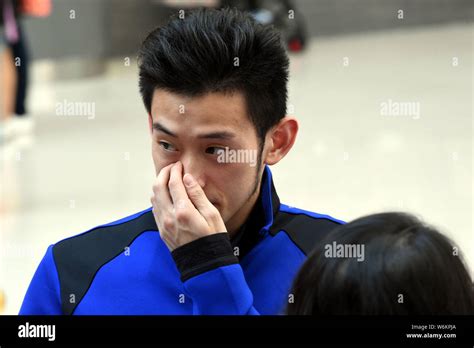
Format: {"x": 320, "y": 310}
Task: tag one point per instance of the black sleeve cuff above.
{"x": 204, "y": 254}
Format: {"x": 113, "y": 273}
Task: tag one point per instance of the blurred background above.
{"x": 382, "y": 89}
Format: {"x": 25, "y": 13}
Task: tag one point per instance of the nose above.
{"x": 193, "y": 166}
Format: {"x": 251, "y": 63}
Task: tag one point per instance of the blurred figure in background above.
{"x": 19, "y": 50}
{"x": 384, "y": 264}
{"x": 15, "y": 120}
{"x": 3, "y": 55}
{"x": 8, "y": 76}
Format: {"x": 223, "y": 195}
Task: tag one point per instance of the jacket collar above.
{"x": 261, "y": 217}
{"x": 269, "y": 199}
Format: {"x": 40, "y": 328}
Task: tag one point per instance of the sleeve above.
{"x": 213, "y": 277}
{"x": 43, "y": 294}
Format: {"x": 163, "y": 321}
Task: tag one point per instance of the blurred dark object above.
{"x": 21, "y": 62}
{"x": 283, "y": 14}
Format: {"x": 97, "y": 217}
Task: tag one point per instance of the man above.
{"x": 217, "y": 240}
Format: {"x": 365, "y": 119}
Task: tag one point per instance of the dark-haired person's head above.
{"x": 214, "y": 83}
{"x": 388, "y": 263}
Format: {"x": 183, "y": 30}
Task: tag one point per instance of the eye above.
{"x": 167, "y": 146}
{"x": 215, "y": 150}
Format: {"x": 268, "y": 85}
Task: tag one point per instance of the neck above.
{"x": 236, "y": 222}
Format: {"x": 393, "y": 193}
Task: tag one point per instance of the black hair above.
{"x": 408, "y": 268}
{"x": 198, "y": 55}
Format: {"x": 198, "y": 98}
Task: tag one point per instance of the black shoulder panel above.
{"x": 305, "y": 231}
{"x": 79, "y": 258}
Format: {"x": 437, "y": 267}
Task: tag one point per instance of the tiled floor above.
{"x": 350, "y": 158}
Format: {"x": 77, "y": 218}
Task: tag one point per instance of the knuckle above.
{"x": 211, "y": 214}
{"x": 182, "y": 216}
{"x": 168, "y": 224}
{"x": 171, "y": 183}
{"x": 193, "y": 194}
{"x": 181, "y": 204}
{"x": 160, "y": 180}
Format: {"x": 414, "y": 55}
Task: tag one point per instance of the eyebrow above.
{"x": 217, "y": 135}
{"x": 213, "y": 135}
{"x": 160, "y": 128}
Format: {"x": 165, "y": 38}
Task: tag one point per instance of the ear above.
{"x": 150, "y": 123}
{"x": 280, "y": 139}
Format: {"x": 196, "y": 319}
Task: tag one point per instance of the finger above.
{"x": 162, "y": 197}
{"x": 176, "y": 187}
{"x": 197, "y": 195}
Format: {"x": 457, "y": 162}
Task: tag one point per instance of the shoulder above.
{"x": 78, "y": 258}
{"x": 110, "y": 236}
{"x": 303, "y": 227}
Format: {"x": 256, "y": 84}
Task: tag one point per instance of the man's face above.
{"x": 215, "y": 141}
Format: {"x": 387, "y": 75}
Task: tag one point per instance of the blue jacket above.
{"x": 125, "y": 268}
